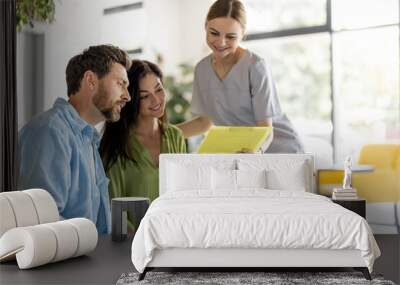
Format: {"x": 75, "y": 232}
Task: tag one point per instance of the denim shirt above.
{"x": 58, "y": 151}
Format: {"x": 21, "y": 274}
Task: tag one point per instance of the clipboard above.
{"x": 225, "y": 139}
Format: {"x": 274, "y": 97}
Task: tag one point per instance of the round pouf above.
{"x": 119, "y": 208}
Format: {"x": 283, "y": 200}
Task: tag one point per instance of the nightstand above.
{"x": 357, "y": 205}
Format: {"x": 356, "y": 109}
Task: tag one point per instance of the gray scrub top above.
{"x": 246, "y": 95}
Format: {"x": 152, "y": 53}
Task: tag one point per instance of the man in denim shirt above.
{"x": 58, "y": 149}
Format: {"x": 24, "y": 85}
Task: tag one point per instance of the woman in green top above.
{"x": 130, "y": 148}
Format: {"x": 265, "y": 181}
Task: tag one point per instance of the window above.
{"x": 272, "y": 15}
{"x": 367, "y": 94}
{"x": 336, "y": 66}
{"x": 356, "y": 14}
{"x": 304, "y": 92}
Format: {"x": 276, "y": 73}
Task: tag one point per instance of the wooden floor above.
{"x": 389, "y": 262}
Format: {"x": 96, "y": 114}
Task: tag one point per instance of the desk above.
{"x": 333, "y": 177}
{"x": 104, "y": 265}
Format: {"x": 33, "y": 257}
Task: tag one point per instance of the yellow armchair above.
{"x": 383, "y": 184}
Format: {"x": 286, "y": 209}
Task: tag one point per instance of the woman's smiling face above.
{"x": 152, "y": 96}
{"x": 223, "y": 36}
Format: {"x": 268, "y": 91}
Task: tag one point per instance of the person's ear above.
{"x": 90, "y": 80}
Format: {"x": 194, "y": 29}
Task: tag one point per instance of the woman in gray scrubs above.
{"x": 233, "y": 86}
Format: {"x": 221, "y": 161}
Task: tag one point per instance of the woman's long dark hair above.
{"x": 116, "y": 135}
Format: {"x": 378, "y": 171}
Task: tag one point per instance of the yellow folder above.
{"x": 236, "y": 139}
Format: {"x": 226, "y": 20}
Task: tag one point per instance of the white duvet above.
{"x": 253, "y": 218}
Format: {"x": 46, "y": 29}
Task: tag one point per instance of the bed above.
{"x": 246, "y": 211}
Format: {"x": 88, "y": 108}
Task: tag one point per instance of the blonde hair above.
{"x": 228, "y": 8}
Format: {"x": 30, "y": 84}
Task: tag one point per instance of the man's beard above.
{"x": 110, "y": 115}
{"x": 100, "y": 102}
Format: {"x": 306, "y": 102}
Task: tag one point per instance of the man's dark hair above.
{"x": 98, "y": 59}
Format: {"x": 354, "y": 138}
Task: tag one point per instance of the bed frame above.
{"x": 246, "y": 259}
{"x": 242, "y": 259}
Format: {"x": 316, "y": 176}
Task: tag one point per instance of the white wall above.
{"x": 193, "y": 15}
{"x": 163, "y": 32}
{"x": 75, "y": 28}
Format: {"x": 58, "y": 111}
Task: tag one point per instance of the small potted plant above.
{"x": 29, "y": 11}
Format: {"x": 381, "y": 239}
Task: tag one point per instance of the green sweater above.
{"x": 140, "y": 178}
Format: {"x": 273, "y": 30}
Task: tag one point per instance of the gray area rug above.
{"x": 225, "y": 278}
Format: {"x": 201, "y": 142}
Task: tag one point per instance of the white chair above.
{"x": 31, "y": 233}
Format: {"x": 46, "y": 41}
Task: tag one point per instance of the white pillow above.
{"x": 251, "y": 178}
{"x": 181, "y": 177}
{"x": 224, "y": 179}
{"x": 293, "y": 178}
{"x": 281, "y": 174}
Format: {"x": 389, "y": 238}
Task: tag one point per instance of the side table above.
{"x": 119, "y": 208}
{"x": 356, "y": 205}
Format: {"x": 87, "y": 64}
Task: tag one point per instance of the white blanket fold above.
{"x": 252, "y": 218}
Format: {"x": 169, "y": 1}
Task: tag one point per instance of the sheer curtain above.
{"x": 8, "y": 97}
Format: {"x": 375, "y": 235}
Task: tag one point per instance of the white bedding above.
{"x": 251, "y": 218}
